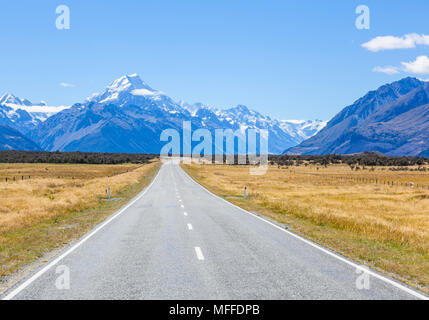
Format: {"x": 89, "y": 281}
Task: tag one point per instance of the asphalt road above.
{"x": 179, "y": 241}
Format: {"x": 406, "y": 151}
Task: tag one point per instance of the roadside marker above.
{"x": 189, "y": 226}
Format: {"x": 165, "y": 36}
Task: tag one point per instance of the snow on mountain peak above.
{"x": 41, "y": 103}
{"x": 302, "y": 128}
{"x": 144, "y": 92}
{"x": 9, "y": 98}
{"x": 128, "y": 83}
{"x": 123, "y": 87}
{"x": 22, "y": 114}
{"x": 240, "y": 108}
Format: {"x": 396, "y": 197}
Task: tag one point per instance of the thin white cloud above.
{"x": 418, "y": 66}
{"x": 66, "y": 85}
{"x": 387, "y": 70}
{"x": 391, "y": 42}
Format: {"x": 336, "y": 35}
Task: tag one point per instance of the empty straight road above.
{"x": 178, "y": 241}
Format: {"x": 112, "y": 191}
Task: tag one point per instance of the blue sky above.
{"x": 286, "y": 59}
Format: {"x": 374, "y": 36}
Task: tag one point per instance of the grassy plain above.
{"x": 371, "y": 215}
{"x": 44, "y": 206}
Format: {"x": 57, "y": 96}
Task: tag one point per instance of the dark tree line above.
{"x": 369, "y": 159}
{"x": 362, "y": 159}
{"x": 73, "y": 157}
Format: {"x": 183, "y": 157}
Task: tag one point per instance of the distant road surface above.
{"x": 176, "y": 240}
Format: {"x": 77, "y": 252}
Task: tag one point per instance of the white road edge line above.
{"x": 332, "y": 254}
{"x": 199, "y": 253}
{"x": 26, "y": 283}
{"x": 190, "y": 226}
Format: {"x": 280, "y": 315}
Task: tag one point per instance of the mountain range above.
{"x": 129, "y": 116}
{"x": 393, "y": 120}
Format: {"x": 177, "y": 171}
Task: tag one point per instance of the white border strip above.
{"x": 25, "y": 284}
{"x": 332, "y": 254}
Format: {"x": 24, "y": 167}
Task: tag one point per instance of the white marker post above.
{"x": 108, "y": 191}
{"x": 244, "y": 195}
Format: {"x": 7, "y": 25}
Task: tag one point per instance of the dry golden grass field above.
{"x": 357, "y": 213}
{"x": 48, "y": 205}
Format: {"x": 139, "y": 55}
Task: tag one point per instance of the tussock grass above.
{"x": 354, "y": 213}
{"x": 59, "y": 203}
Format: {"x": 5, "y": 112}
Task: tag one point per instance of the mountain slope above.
{"x": 104, "y": 128}
{"x": 23, "y": 115}
{"x": 129, "y": 116}
{"x": 11, "y": 139}
{"x": 392, "y": 120}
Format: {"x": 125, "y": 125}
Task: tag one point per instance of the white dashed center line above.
{"x": 199, "y": 253}
{"x": 185, "y": 214}
{"x": 182, "y": 205}
{"x": 189, "y": 226}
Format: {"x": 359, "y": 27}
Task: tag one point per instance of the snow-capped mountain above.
{"x": 281, "y": 132}
{"x": 302, "y": 129}
{"x": 129, "y": 116}
{"x": 131, "y": 90}
{"x": 22, "y": 114}
{"x": 298, "y": 129}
